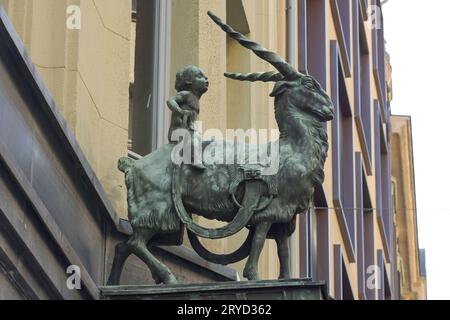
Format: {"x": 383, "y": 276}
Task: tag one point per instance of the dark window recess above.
{"x": 383, "y": 176}
{"x": 141, "y": 124}
{"x": 364, "y": 8}
{"x": 343, "y": 154}
{"x": 387, "y": 286}
{"x": 363, "y": 207}
{"x": 347, "y": 293}
{"x": 342, "y": 286}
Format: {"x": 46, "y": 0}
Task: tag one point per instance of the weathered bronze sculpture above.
{"x": 162, "y": 196}
{"x": 190, "y": 84}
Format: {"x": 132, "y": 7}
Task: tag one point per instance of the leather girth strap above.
{"x": 252, "y": 195}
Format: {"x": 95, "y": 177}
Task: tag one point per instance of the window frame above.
{"x": 343, "y": 154}
{"x": 160, "y": 115}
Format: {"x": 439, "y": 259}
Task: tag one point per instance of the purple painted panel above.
{"x": 374, "y": 40}
{"x": 304, "y": 248}
{"x": 378, "y": 172}
{"x": 381, "y": 274}
{"x": 337, "y": 259}
{"x": 366, "y": 105}
{"x": 344, "y": 13}
{"x": 369, "y": 249}
{"x": 362, "y": 82}
{"x": 340, "y": 9}
{"x": 322, "y": 261}
{"x": 359, "y": 176}
{"x": 302, "y": 36}
{"x": 316, "y": 40}
{"x": 386, "y": 186}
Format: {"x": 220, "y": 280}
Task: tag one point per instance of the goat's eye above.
{"x": 309, "y": 85}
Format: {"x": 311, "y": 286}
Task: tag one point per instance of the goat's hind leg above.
{"x": 138, "y": 243}
{"x": 283, "y": 255}
{"x": 121, "y": 254}
{"x": 251, "y": 267}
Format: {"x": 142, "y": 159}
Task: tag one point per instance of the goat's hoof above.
{"x": 112, "y": 281}
{"x": 157, "y": 279}
{"x": 251, "y": 275}
{"x": 170, "y": 279}
{"x": 284, "y": 277}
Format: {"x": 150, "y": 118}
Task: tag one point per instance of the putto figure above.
{"x": 190, "y": 84}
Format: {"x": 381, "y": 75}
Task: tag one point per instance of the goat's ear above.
{"x": 280, "y": 88}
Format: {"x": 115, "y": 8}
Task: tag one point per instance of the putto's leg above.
{"x": 251, "y": 267}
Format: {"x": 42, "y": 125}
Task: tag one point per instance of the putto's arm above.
{"x": 173, "y": 104}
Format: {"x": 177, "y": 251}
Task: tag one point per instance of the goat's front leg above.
{"x": 283, "y": 255}
{"x": 251, "y": 267}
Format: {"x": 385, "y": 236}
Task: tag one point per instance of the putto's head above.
{"x": 191, "y": 78}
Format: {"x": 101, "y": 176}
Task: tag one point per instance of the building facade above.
{"x": 111, "y": 68}
{"x": 411, "y": 259}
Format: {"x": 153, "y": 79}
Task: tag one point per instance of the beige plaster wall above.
{"x": 87, "y": 71}
{"x": 413, "y": 285}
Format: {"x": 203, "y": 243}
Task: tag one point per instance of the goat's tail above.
{"x": 125, "y": 164}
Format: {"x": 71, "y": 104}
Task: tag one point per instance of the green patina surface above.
{"x": 162, "y": 196}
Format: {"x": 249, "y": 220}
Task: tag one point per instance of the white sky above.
{"x": 418, "y": 40}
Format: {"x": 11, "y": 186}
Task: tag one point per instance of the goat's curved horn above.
{"x": 274, "y": 59}
{"x": 271, "y": 76}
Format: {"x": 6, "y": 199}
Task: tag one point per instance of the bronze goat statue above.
{"x": 162, "y": 196}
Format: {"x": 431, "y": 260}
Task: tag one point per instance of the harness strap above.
{"x": 249, "y": 174}
{"x": 250, "y": 202}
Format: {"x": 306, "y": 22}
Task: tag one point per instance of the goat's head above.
{"x": 302, "y": 91}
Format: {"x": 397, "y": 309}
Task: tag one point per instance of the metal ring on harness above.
{"x": 241, "y": 219}
{"x": 263, "y": 206}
